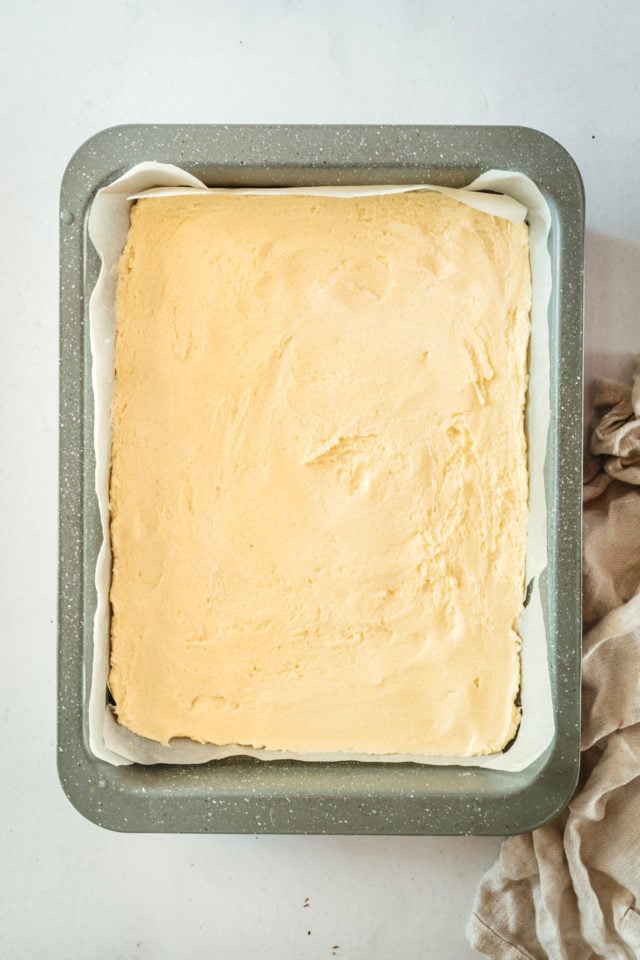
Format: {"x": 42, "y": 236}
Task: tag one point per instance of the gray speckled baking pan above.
{"x": 241, "y": 795}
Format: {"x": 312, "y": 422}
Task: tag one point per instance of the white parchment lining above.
{"x": 518, "y": 199}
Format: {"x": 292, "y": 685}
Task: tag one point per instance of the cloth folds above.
{"x": 571, "y": 889}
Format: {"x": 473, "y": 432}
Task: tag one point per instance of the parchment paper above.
{"x": 519, "y": 199}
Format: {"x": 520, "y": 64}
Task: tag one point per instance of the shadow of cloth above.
{"x": 612, "y": 315}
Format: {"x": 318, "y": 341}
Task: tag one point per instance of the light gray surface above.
{"x": 67, "y": 888}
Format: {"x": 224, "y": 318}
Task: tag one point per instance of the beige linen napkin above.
{"x": 571, "y": 890}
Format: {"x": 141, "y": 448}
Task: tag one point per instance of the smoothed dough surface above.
{"x": 319, "y": 479}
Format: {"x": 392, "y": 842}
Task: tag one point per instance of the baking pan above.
{"x": 243, "y": 795}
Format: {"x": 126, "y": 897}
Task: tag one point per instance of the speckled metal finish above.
{"x": 241, "y": 795}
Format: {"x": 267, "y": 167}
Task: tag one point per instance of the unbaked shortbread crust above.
{"x": 319, "y": 480}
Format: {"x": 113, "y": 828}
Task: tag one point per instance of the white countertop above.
{"x": 69, "y": 889}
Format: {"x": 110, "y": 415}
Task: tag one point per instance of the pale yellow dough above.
{"x": 319, "y": 477}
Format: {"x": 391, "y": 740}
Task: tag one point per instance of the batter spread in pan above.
{"x": 319, "y": 473}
